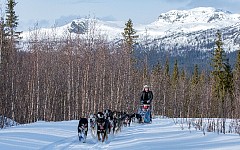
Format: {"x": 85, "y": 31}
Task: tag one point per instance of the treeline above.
{"x": 64, "y": 78}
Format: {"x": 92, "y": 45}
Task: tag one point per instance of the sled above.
{"x": 145, "y": 112}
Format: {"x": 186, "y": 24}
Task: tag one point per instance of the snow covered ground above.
{"x": 161, "y": 134}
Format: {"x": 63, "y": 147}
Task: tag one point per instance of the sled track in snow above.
{"x": 72, "y": 143}
{"x": 60, "y": 144}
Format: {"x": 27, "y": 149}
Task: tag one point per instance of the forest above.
{"x": 64, "y": 78}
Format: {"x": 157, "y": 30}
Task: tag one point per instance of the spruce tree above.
{"x": 129, "y": 40}
{"x": 166, "y": 69}
{"x": 195, "y": 93}
{"x": 220, "y": 74}
{"x": 237, "y": 82}
{"x": 183, "y": 75}
{"x": 166, "y": 90}
{"x": 11, "y": 20}
{"x": 237, "y": 69}
{"x": 174, "y": 81}
{"x": 229, "y": 86}
{"x": 129, "y": 35}
{"x": 195, "y": 77}
{"x": 175, "y": 74}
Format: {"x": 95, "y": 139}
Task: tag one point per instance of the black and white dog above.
{"x": 126, "y": 119}
{"x": 83, "y": 129}
{"x": 101, "y": 127}
{"x": 117, "y": 122}
{"x": 108, "y": 115}
{"x": 136, "y": 118}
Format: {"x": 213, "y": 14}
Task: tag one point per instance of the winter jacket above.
{"x": 146, "y": 96}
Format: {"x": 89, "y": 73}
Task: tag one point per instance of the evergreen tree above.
{"x": 221, "y": 78}
{"x": 166, "y": 90}
{"x": 237, "y": 69}
{"x": 129, "y": 35}
{"x": 175, "y": 74}
{"x": 195, "y": 93}
{"x": 166, "y": 69}
{"x": 11, "y": 20}
{"x": 195, "y": 77}
{"x": 174, "y": 81}
{"x": 184, "y": 93}
{"x": 183, "y": 75}
{"x": 157, "y": 69}
{"x": 156, "y": 82}
{"x": 229, "y": 86}
{"x": 129, "y": 40}
{"x": 237, "y": 83}
{"x": 219, "y": 56}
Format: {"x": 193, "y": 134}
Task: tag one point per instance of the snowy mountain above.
{"x": 174, "y": 30}
{"x": 195, "y": 29}
{"x": 83, "y": 27}
{"x": 161, "y": 134}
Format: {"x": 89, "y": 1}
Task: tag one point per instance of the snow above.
{"x": 187, "y": 21}
{"x": 7, "y": 122}
{"x": 169, "y": 31}
{"x": 174, "y": 21}
{"x": 161, "y": 134}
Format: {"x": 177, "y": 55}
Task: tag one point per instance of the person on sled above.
{"x": 146, "y": 97}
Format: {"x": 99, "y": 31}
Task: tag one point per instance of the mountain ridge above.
{"x": 192, "y": 22}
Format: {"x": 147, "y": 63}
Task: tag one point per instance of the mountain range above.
{"x": 177, "y": 32}
{"x": 174, "y": 28}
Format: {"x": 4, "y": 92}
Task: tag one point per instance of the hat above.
{"x": 145, "y": 86}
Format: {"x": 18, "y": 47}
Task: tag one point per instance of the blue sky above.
{"x": 49, "y": 12}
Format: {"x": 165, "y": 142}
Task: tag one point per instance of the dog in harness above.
{"x": 101, "y": 127}
{"x": 83, "y": 129}
{"x": 108, "y": 115}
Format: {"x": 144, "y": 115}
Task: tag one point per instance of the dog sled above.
{"x": 145, "y": 112}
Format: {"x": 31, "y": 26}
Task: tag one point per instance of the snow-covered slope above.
{"x": 194, "y": 29}
{"x": 83, "y": 27}
{"x": 201, "y": 18}
{"x": 175, "y": 29}
{"x": 161, "y": 134}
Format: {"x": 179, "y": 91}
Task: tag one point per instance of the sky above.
{"x": 49, "y": 13}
